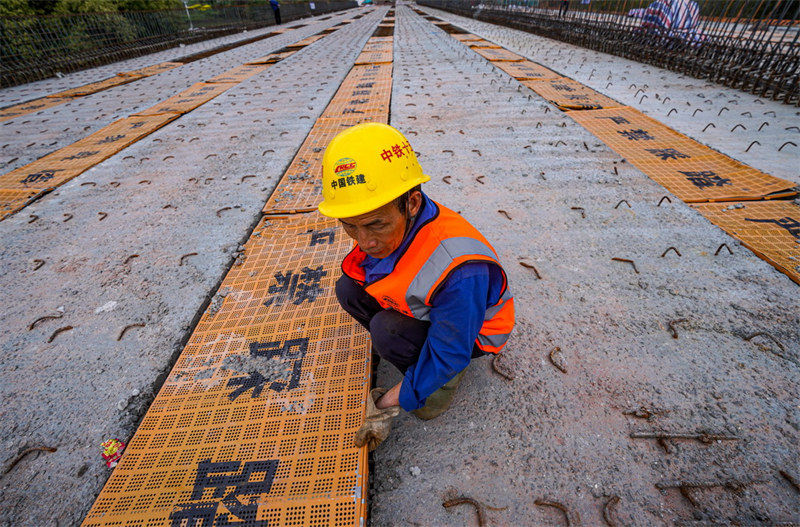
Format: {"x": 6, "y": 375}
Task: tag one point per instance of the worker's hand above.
{"x": 390, "y": 398}
{"x": 377, "y": 422}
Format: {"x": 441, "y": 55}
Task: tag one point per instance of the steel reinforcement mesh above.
{"x": 255, "y": 424}
{"x": 745, "y": 44}
{"x": 256, "y": 421}
{"x": 770, "y": 229}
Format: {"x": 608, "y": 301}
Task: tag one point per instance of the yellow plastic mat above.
{"x": 483, "y": 44}
{"x": 151, "y": 70}
{"x": 272, "y": 58}
{"x": 690, "y": 170}
{"x": 95, "y": 87}
{"x": 12, "y": 200}
{"x": 568, "y": 94}
{"x": 364, "y": 102}
{"x": 189, "y": 99}
{"x": 374, "y": 57}
{"x": 464, "y": 37}
{"x": 374, "y": 44}
{"x": 255, "y": 423}
{"x": 239, "y": 73}
{"x": 498, "y": 55}
{"x": 769, "y": 229}
{"x": 31, "y": 106}
{"x": 527, "y": 70}
{"x": 305, "y": 42}
{"x": 62, "y": 165}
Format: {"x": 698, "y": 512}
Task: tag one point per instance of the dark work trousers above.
{"x": 563, "y": 9}
{"x": 277, "y": 12}
{"x": 395, "y": 337}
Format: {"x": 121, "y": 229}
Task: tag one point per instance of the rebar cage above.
{"x": 745, "y": 44}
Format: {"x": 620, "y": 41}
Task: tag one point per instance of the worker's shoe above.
{"x": 440, "y": 400}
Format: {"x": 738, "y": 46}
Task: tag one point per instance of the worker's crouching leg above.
{"x": 439, "y": 401}
{"x": 356, "y": 301}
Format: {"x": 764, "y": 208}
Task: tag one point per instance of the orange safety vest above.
{"x": 444, "y": 243}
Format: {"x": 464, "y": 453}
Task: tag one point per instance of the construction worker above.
{"x": 424, "y": 282}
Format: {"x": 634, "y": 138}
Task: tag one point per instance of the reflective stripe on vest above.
{"x": 432, "y": 272}
{"x": 495, "y": 309}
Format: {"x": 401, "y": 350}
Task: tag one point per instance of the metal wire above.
{"x": 745, "y": 44}
{"x": 34, "y": 48}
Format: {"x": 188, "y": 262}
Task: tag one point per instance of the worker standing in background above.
{"x": 424, "y": 282}
{"x": 276, "y": 10}
{"x": 562, "y": 9}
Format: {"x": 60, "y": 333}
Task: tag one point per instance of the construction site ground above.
{"x": 606, "y": 356}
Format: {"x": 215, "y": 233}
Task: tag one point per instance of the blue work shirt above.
{"x": 456, "y": 315}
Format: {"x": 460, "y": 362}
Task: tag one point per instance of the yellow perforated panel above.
{"x": 95, "y": 87}
{"x": 379, "y": 45}
{"x": 690, "y": 170}
{"x": 12, "y": 200}
{"x": 483, "y": 44}
{"x": 464, "y": 37}
{"x": 256, "y": 421}
{"x": 189, "y": 99}
{"x": 527, "y": 70}
{"x": 272, "y": 58}
{"x": 374, "y": 57}
{"x": 151, "y": 70}
{"x": 769, "y": 229}
{"x": 31, "y": 106}
{"x": 568, "y": 94}
{"x": 64, "y": 164}
{"x": 305, "y": 42}
{"x": 239, "y": 73}
{"x": 498, "y": 55}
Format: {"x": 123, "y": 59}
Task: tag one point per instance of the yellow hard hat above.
{"x": 366, "y": 167}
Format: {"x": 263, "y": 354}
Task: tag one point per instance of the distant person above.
{"x": 424, "y": 282}
{"x": 562, "y": 10}
{"x": 276, "y": 10}
{"x": 674, "y": 18}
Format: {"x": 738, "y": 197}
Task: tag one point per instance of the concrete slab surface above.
{"x": 541, "y": 188}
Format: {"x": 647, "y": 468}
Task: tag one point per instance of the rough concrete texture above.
{"x": 86, "y": 385}
{"x": 708, "y": 113}
{"x": 544, "y": 435}
{"x": 564, "y": 437}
